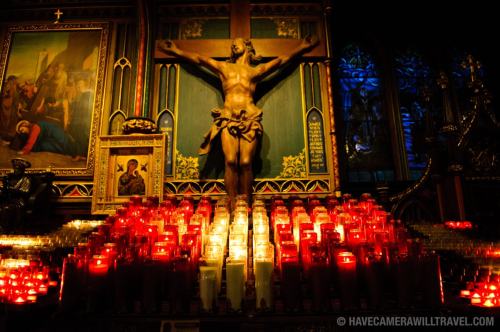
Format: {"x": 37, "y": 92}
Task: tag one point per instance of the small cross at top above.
{"x": 58, "y": 14}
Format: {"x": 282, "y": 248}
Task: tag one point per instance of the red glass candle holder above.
{"x": 356, "y": 236}
{"x": 282, "y": 227}
{"x": 326, "y": 228}
{"x": 110, "y": 250}
{"x": 194, "y": 228}
{"x": 306, "y": 227}
{"x": 164, "y": 251}
{"x": 151, "y": 231}
{"x": 283, "y": 236}
{"x": 98, "y": 265}
{"x": 350, "y": 204}
{"x": 346, "y": 260}
{"x": 192, "y": 241}
{"x": 287, "y": 250}
{"x": 186, "y": 206}
{"x": 82, "y": 251}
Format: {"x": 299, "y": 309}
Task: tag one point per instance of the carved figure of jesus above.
{"x": 239, "y": 121}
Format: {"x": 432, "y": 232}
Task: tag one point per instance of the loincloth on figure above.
{"x": 237, "y": 124}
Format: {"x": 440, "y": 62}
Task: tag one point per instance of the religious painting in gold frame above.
{"x": 127, "y": 165}
{"x": 52, "y": 80}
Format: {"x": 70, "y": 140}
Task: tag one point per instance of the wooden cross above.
{"x": 240, "y": 27}
{"x": 58, "y": 14}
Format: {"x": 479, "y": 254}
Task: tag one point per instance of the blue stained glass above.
{"x": 367, "y": 142}
{"x": 411, "y": 119}
{"x": 412, "y": 72}
{"x": 357, "y": 73}
{"x": 412, "y": 75}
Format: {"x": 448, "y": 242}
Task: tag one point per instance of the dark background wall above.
{"x": 438, "y": 26}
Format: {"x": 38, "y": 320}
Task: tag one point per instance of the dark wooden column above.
{"x": 240, "y": 19}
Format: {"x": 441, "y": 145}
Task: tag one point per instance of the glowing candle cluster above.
{"x": 167, "y": 234}
{"x": 484, "y": 293}
{"x": 263, "y": 256}
{"x": 146, "y": 231}
{"x": 459, "y": 225}
{"x": 314, "y": 250}
{"x": 68, "y": 235}
{"x": 23, "y": 241}
{"x": 23, "y": 281}
{"x": 332, "y": 244}
{"x": 213, "y": 255}
{"x": 312, "y": 232}
{"x": 237, "y": 261}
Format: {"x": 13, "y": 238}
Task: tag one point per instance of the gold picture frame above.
{"x": 52, "y": 76}
{"x": 127, "y": 165}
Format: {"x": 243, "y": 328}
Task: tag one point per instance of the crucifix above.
{"x": 239, "y": 121}
{"x": 58, "y": 13}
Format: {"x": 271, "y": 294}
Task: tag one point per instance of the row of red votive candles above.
{"x": 342, "y": 238}
{"x": 163, "y": 231}
{"x": 458, "y": 225}
{"x": 23, "y": 281}
{"x": 149, "y": 231}
{"x": 140, "y": 232}
{"x": 320, "y": 234}
{"x": 307, "y": 236}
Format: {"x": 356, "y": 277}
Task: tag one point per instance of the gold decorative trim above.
{"x": 192, "y": 28}
{"x": 335, "y": 173}
{"x": 483, "y": 160}
{"x": 449, "y": 128}
{"x": 262, "y": 187}
{"x": 398, "y": 198}
{"x": 66, "y": 191}
{"x": 455, "y": 168}
{"x": 63, "y": 190}
{"x": 138, "y": 125}
{"x": 186, "y": 168}
{"x": 283, "y": 9}
{"x": 293, "y": 186}
{"x": 294, "y": 166}
{"x": 105, "y": 199}
{"x": 287, "y": 27}
{"x": 480, "y": 101}
{"x": 122, "y": 63}
{"x": 170, "y": 11}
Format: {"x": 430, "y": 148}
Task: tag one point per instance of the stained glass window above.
{"x": 366, "y": 141}
{"x": 413, "y": 76}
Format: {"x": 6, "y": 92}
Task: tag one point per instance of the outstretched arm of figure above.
{"x": 168, "y": 47}
{"x": 32, "y": 138}
{"x": 308, "y": 43}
